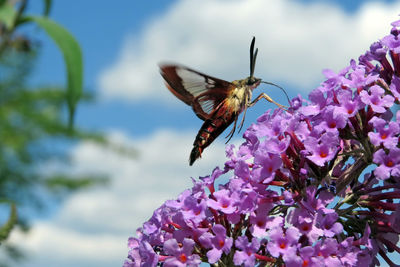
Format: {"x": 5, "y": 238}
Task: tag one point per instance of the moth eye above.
{"x": 251, "y": 80}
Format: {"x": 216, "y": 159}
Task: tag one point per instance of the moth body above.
{"x": 217, "y": 102}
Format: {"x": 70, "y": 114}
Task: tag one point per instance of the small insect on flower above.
{"x": 217, "y": 102}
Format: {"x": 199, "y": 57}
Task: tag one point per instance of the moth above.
{"x": 217, "y": 102}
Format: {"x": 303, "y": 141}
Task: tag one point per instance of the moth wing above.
{"x": 200, "y": 91}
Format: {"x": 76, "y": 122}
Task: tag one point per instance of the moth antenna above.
{"x": 254, "y": 63}
{"x": 283, "y": 90}
{"x": 252, "y": 56}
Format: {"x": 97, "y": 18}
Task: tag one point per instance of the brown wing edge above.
{"x": 174, "y": 84}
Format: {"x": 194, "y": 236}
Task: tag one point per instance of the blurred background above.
{"x": 80, "y": 196}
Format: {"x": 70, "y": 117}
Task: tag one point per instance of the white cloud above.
{"x": 296, "y": 41}
{"x": 50, "y": 244}
{"x": 91, "y": 228}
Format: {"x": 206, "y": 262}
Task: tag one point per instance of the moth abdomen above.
{"x": 208, "y": 132}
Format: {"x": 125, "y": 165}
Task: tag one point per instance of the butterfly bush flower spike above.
{"x": 316, "y": 185}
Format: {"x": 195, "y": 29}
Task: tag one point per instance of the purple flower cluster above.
{"x": 316, "y": 186}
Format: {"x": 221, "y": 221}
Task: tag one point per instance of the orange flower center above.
{"x": 323, "y": 154}
{"x": 182, "y": 258}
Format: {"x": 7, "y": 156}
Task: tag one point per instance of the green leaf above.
{"x": 47, "y": 7}
{"x": 65, "y": 182}
{"x": 7, "y": 15}
{"x": 6, "y": 228}
{"x": 72, "y": 58}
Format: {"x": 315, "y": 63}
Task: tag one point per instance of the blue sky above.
{"x": 122, "y": 42}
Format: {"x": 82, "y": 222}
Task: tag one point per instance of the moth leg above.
{"x": 242, "y": 122}
{"x": 269, "y": 99}
{"x": 231, "y": 132}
